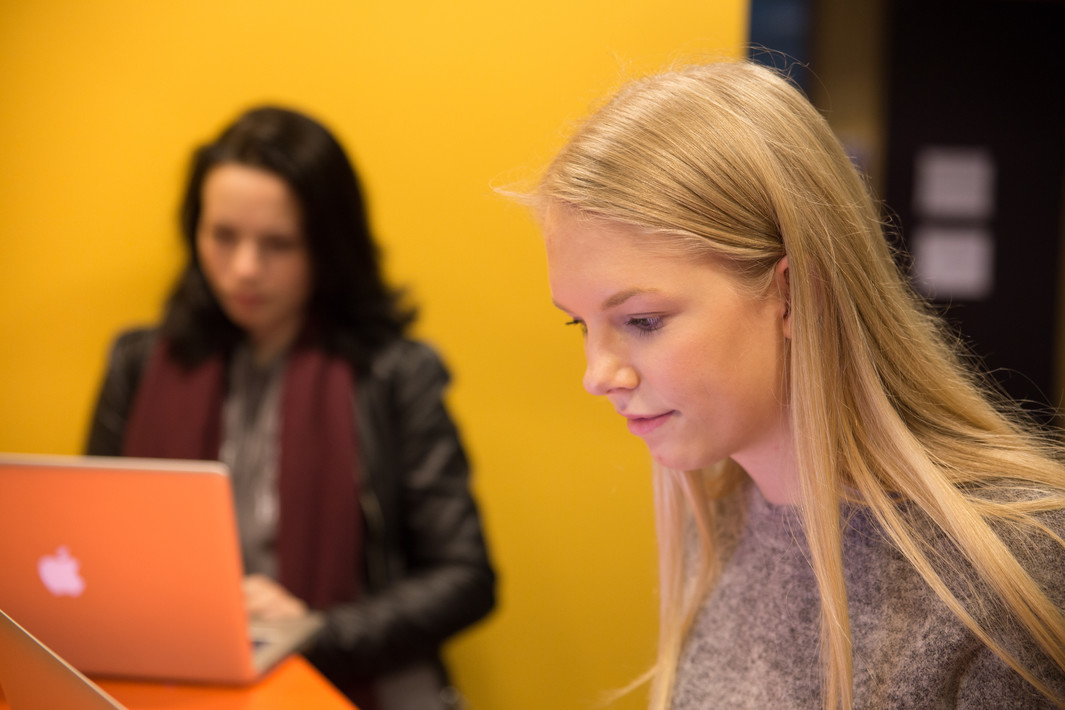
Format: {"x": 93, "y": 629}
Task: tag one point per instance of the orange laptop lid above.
{"x": 126, "y": 567}
{"x": 33, "y": 677}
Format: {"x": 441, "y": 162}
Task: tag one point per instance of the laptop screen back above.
{"x": 33, "y": 677}
{"x": 125, "y": 567}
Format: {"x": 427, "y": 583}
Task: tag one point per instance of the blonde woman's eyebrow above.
{"x": 612, "y": 301}
{"x": 621, "y": 296}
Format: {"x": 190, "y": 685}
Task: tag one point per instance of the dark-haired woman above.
{"x": 282, "y": 353}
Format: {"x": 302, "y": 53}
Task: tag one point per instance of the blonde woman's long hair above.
{"x": 732, "y": 159}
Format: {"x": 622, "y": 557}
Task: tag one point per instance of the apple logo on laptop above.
{"x": 59, "y": 572}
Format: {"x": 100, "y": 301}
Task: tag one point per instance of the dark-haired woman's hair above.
{"x": 353, "y": 310}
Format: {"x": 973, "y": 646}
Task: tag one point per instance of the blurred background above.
{"x": 954, "y": 110}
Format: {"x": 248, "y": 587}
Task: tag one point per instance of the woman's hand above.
{"x": 266, "y": 599}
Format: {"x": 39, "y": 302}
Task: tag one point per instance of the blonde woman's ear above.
{"x": 780, "y": 276}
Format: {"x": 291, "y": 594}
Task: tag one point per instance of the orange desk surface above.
{"x": 293, "y": 685}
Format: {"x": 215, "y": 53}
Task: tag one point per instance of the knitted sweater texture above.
{"x": 755, "y": 642}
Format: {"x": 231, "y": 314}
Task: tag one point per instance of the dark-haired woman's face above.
{"x": 253, "y": 252}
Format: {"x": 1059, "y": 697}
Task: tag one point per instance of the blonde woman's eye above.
{"x": 579, "y": 323}
{"x": 646, "y": 324}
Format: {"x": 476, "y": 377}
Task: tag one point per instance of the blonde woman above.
{"x": 847, "y": 516}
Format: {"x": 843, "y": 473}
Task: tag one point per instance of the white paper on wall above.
{"x": 954, "y": 263}
{"x": 953, "y": 182}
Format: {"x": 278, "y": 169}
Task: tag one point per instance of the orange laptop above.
{"x": 33, "y": 677}
{"x": 131, "y": 568}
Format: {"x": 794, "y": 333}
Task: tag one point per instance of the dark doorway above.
{"x": 975, "y": 159}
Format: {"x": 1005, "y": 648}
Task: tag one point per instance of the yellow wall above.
{"x": 101, "y": 103}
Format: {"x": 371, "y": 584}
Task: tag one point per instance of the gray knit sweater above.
{"x": 755, "y": 642}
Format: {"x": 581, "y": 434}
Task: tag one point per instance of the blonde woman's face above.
{"x": 691, "y": 360}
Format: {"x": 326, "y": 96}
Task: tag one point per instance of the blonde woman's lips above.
{"x": 644, "y": 425}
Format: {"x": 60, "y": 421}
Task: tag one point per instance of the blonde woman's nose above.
{"x": 607, "y": 370}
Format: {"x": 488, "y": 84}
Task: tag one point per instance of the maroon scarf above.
{"x": 177, "y": 413}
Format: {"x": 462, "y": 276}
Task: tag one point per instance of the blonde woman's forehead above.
{"x": 563, "y": 221}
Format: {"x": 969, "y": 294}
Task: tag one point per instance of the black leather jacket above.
{"x": 426, "y": 571}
